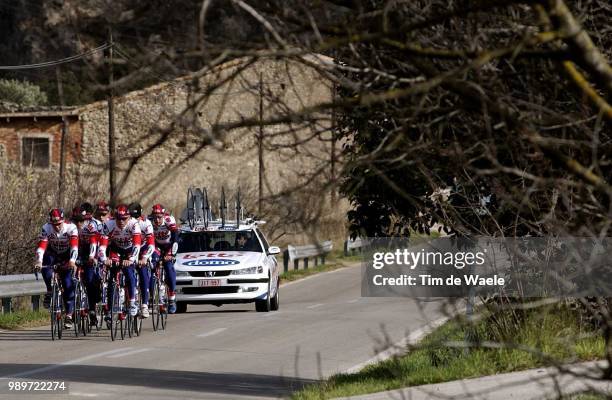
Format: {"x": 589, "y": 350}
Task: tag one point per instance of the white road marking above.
{"x": 352, "y": 301}
{"x": 129, "y": 353}
{"x": 315, "y": 306}
{"x": 213, "y": 332}
{"x": 400, "y": 347}
{"x": 83, "y": 394}
{"x": 60, "y": 365}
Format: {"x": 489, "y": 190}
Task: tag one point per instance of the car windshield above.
{"x": 218, "y": 241}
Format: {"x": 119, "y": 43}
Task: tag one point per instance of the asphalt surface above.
{"x": 323, "y": 326}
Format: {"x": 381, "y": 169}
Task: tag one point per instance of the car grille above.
{"x": 203, "y": 274}
{"x": 184, "y": 283}
{"x": 211, "y": 290}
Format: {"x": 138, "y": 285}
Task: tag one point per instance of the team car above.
{"x": 221, "y": 262}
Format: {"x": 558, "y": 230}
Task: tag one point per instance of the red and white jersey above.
{"x": 148, "y": 236}
{"x": 128, "y": 238}
{"x": 62, "y": 242}
{"x": 89, "y": 236}
{"x": 164, "y": 232}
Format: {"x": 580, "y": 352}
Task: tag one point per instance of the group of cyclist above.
{"x": 98, "y": 239}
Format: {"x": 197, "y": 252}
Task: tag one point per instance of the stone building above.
{"x": 164, "y": 142}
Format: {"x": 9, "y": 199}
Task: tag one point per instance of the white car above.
{"x": 220, "y": 264}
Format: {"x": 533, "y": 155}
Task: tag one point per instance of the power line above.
{"x": 128, "y": 59}
{"x": 54, "y": 62}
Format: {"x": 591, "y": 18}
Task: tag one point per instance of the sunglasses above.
{"x": 56, "y": 223}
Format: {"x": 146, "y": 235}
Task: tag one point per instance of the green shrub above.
{"x": 22, "y": 93}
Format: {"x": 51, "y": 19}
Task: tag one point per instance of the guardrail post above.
{"x": 306, "y": 263}
{"x": 316, "y": 259}
{"x": 35, "y": 302}
{"x": 296, "y": 263}
{"x": 346, "y": 252}
{"x": 286, "y": 260}
{"x": 6, "y": 305}
{"x": 322, "y": 258}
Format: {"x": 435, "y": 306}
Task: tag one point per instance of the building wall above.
{"x": 164, "y": 172}
{"x": 14, "y": 129}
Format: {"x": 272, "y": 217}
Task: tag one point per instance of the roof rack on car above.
{"x": 222, "y": 207}
{"x": 199, "y": 212}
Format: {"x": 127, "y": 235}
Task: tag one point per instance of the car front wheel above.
{"x": 181, "y": 307}
{"x": 275, "y": 301}
{"x": 264, "y": 305}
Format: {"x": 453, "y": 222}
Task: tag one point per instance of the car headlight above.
{"x": 250, "y": 270}
{"x": 182, "y": 274}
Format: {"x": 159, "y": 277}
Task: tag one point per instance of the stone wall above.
{"x": 188, "y": 153}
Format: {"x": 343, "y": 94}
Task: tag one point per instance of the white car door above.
{"x": 270, "y": 260}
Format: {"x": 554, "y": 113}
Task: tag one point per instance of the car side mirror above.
{"x": 174, "y": 248}
{"x": 272, "y": 250}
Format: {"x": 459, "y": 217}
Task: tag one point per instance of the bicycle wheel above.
{"x": 138, "y": 318}
{"x": 76, "y": 314}
{"x": 128, "y": 321}
{"x": 137, "y": 301}
{"x": 115, "y": 310}
{"x": 52, "y": 311}
{"x": 59, "y": 310}
{"x": 123, "y": 314}
{"x": 100, "y": 306}
{"x": 154, "y": 304}
{"x": 85, "y": 327}
{"x": 163, "y": 304}
{"x": 99, "y": 316}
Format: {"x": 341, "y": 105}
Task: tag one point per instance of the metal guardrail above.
{"x": 20, "y": 285}
{"x": 352, "y": 245}
{"x": 297, "y": 253}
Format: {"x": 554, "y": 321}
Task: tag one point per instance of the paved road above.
{"x": 323, "y": 327}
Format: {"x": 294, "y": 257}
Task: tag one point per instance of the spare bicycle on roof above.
{"x": 199, "y": 213}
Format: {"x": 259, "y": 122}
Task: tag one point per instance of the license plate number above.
{"x": 210, "y": 282}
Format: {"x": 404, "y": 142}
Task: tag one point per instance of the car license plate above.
{"x": 210, "y": 282}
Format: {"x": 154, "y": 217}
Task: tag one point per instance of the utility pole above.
{"x": 65, "y": 132}
{"x": 333, "y": 148}
{"x": 111, "y": 123}
{"x": 260, "y": 144}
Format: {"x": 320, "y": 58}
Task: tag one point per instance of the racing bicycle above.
{"x": 117, "y": 307}
{"x": 81, "y": 304}
{"x": 158, "y": 300}
{"x": 102, "y": 305}
{"x": 57, "y": 307}
{"x": 137, "y": 320}
{"x": 134, "y": 323}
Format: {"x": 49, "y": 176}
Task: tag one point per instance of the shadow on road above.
{"x": 222, "y": 383}
{"x": 45, "y": 334}
{"x": 221, "y": 311}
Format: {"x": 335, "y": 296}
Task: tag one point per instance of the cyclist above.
{"x": 102, "y": 213}
{"x": 146, "y": 250}
{"x": 166, "y": 235}
{"x": 122, "y": 237}
{"x": 58, "y": 244}
{"x": 89, "y": 236}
